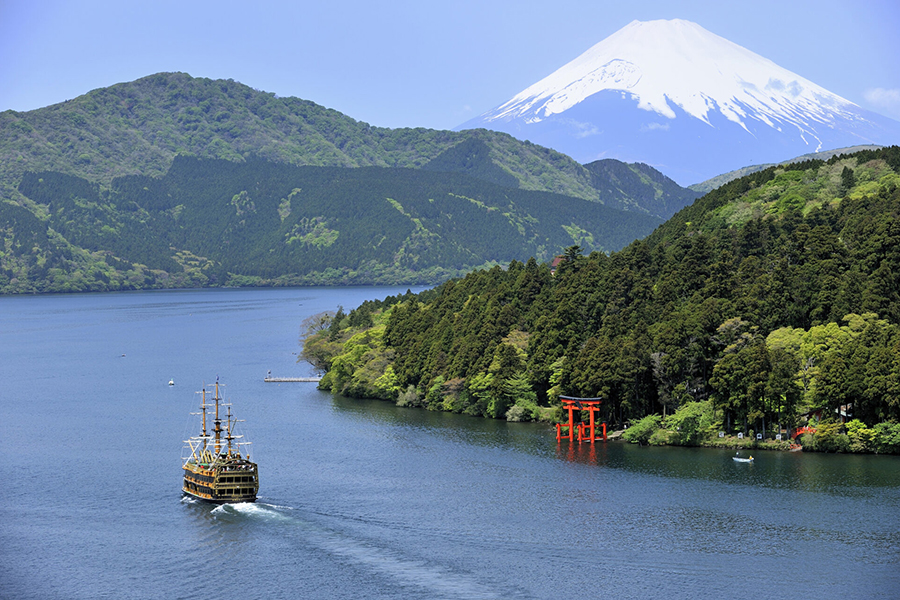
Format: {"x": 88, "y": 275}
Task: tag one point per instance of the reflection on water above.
{"x": 584, "y": 453}
{"x": 826, "y": 473}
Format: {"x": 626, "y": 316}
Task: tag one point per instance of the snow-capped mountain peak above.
{"x": 687, "y": 101}
{"x": 660, "y": 63}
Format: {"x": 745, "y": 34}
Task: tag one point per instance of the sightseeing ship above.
{"x": 214, "y": 468}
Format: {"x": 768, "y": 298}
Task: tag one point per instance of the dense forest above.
{"x": 770, "y": 302}
{"x": 215, "y": 222}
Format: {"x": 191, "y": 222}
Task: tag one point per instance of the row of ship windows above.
{"x": 237, "y": 492}
{"x": 198, "y": 488}
{"x": 229, "y": 492}
{"x": 235, "y": 479}
{"x": 208, "y": 479}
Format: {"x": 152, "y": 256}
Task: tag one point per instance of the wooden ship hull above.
{"x": 224, "y": 485}
{"x": 214, "y": 469}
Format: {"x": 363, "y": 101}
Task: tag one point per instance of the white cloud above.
{"x": 582, "y": 129}
{"x": 888, "y": 100}
{"x": 654, "y": 127}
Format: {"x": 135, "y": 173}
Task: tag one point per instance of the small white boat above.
{"x": 739, "y": 459}
{"x": 171, "y": 382}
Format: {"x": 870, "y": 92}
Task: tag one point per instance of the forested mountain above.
{"x": 773, "y": 296}
{"x": 137, "y": 128}
{"x": 94, "y": 196}
{"x": 638, "y": 187}
{"x": 214, "y": 222}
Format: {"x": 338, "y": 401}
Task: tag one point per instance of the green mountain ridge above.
{"x": 710, "y": 184}
{"x": 93, "y": 174}
{"x": 635, "y": 186}
{"x": 137, "y": 128}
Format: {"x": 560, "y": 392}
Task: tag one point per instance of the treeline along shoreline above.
{"x": 772, "y": 302}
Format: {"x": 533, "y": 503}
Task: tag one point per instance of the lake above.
{"x": 361, "y": 499}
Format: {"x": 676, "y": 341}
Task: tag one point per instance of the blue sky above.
{"x": 415, "y": 63}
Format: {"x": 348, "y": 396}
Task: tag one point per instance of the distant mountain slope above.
{"x": 688, "y": 102}
{"x": 137, "y": 128}
{"x": 720, "y": 180}
{"x": 214, "y": 222}
{"x": 800, "y": 189}
{"x": 638, "y": 186}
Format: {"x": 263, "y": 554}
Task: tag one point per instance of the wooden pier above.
{"x": 292, "y": 379}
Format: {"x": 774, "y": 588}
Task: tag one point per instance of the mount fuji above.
{"x": 687, "y": 102}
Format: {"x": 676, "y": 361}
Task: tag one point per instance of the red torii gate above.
{"x": 591, "y": 405}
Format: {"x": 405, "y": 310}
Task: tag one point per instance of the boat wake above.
{"x": 248, "y": 508}
{"x": 436, "y": 580}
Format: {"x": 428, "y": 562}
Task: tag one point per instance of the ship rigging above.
{"x": 213, "y": 465}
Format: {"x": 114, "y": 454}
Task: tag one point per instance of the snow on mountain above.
{"x": 684, "y": 100}
{"x": 679, "y": 61}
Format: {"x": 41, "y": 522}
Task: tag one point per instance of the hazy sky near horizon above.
{"x": 415, "y": 63}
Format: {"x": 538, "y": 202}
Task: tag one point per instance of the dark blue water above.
{"x": 365, "y": 500}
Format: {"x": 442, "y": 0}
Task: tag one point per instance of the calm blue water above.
{"x": 365, "y": 500}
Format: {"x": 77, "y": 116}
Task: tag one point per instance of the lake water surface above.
{"x": 360, "y": 499}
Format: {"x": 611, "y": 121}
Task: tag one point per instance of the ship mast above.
{"x": 224, "y": 441}
{"x": 228, "y": 435}
{"x": 218, "y": 422}
{"x": 200, "y": 441}
{"x": 234, "y": 448}
{"x": 203, "y": 433}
